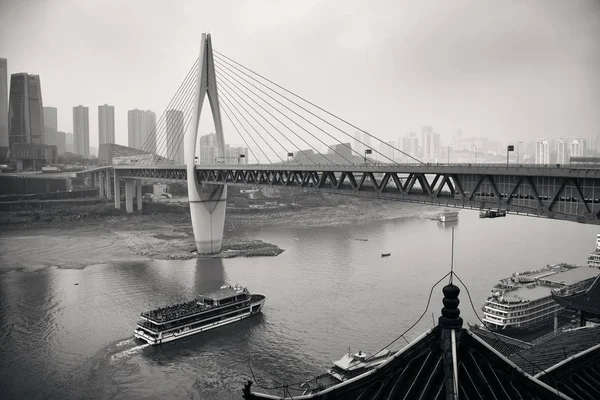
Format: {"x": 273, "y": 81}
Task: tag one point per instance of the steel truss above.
{"x": 565, "y": 194}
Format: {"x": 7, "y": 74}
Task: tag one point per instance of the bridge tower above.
{"x": 207, "y": 202}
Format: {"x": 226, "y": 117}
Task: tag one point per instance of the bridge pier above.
{"x": 138, "y": 194}
{"x": 129, "y": 193}
{"x": 117, "y": 191}
{"x": 207, "y": 202}
{"x": 108, "y": 185}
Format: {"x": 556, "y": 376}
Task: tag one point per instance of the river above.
{"x": 67, "y": 333}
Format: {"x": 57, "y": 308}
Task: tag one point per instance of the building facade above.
{"x": 81, "y": 130}
{"x": 61, "y": 142}
{"x": 106, "y": 124}
{"x": 174, "y": 133}
{"x": 562, "y": 156}
{"x": 3, "y": 103}
{"x": 579, "y": 147}
{"x": 542, "y": 152}
{"x": 141, "y": 133}
{"x": 69, "y": 142}
{"x": 25, "y": 110}
{"x": 50, "y": 125}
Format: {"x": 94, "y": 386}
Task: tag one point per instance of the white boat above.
{"x": 347, "y": 367}
{"x": 448, "y": 216}
{"x": 208, "y": 311}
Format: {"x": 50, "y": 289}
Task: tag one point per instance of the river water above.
{"x": 326, "y": 292}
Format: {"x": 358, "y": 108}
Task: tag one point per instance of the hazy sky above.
{"x": 503, "y": 69}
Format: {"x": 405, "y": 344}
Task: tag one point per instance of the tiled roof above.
{"x": 588, "y": 301}
{"x": 556, "y": 349}
{"x": 425, "y": 369}
{"x": 503, "y": 344}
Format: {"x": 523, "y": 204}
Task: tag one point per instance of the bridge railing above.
{"x": 416, "y": 165}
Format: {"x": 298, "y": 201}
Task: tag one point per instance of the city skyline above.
{"x": 447, "y": 84}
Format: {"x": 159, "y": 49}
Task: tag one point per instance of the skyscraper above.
{"x": 81, "y": 130}
{"x": 410, "y": 145}
{"x": 208, "y": 148}
{"x": 579, "y": 147}
{"x": 561, "y": 151}
{"x": 3, "y": 103}
{"x": 50, "y": 125}
{"x": 69, "y": 142}
{"x": 106, "y": 124}
{"x": 175, "y": 132}
{"x": 140, "y": 130}
{"x": 61, "y": 142}
{"x": 542, "y": 152}
{"x": 427, "y": 142}
{"x": 25, "y": 110}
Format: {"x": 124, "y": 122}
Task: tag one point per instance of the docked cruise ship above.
{"x": 594, "y": 258}
{"x": 208, "y": 311}
{"x": 523, "y": 302}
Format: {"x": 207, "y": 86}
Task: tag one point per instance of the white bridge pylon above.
{"x": 207, "y": 202}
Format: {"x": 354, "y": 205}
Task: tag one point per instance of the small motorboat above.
{"x": 385, "y": 254}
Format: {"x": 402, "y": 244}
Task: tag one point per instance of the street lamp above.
{"x": 509, "y": 148}
{"x": 475, "y": 152}
{"x": 367, "y": 151}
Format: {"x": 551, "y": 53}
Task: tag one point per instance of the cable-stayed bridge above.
{"x": 293, "y": 142}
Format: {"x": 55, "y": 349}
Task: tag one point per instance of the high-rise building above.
{"x": 50, "y": 125}
{"x": 61, "y": 142}
{"x": 579, "y": 147}
{"x": 561, "y": 151}
{"x": 236, "y": 155}
{"x": 106, "y": 124}
{"x": 3, "y": 103}
{"x": 542, "y": 152}
{"x": 410, "y": 146}
{"x": 25, "y": 110}
{"x": 427, "y": 142}
{"x": 81, "y": 130}
{"x": 208, "y": 149}
{"x": 69, "y": 142}
{"x": 175, "y": 132}
{"x": 140, "y": 130}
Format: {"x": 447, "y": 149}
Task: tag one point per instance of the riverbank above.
{"x": 96, "y": 234}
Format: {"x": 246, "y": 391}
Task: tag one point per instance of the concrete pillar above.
{"x": 109, "y": 185}
{"x": 129, "y": 193}
{"x": 117, "y": 191}
{"x": 101, "y": 183}
{"x": 138, "y": 194}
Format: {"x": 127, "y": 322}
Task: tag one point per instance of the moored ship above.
{"x": 208, "y": 311}
{"x": 522, "y": 304}
{"x": 448, "y": 216}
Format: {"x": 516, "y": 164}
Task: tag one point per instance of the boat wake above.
{"x": 129, "y": 352}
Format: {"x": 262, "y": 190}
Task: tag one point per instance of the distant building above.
{"x": 61, "y": 142}
{"x": 81, "y": 130}
{"x": 141, "y": 133}
{"x": 69, "y": 142}
{"x": 175, "y": 133}
{"x": 427, "y": 142}
{"x": 387, "y": 152}
{"x": 579, "y": 147}
{"x": 50, "y": 125}
{"x": 106, "y": 124}
{"x": 410, "y": 145}
{"x": 542, "y": 152}
{"x": 3, "y": 103}
{"x": 93, "y": 151}
{"x": 25, "y": 112}
{"x": 561, "y": 151}
{"x": 236, "y": 154}
{"x": 208, "y": 149}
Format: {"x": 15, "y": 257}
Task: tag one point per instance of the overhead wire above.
{"x": 239, "y": 134}
{"x": 222, "y": 56}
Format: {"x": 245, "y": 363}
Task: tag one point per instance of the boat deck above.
{"x": 168, "y": 313}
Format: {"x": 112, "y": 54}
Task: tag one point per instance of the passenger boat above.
{"x": 448, "y": 216}
{"x": 347, "y": 367}
{"x": 207, "y": 311}
{"x": 492, "y": 214}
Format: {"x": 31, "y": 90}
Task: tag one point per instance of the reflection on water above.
{"x": 326, "y": 292}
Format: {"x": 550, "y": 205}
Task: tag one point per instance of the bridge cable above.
{"x": 181, "y": 126}
{"x": 174, "y": 123}
{"x": 226, "y": 89}
{"x": 240, "y": 135}
{"x": 230, "y": 102}
{"x": 314, "y": 105}
{"x": 162, "y": 149}
{"x": 251, "y": 137}
{"x": 278, "y": 120}
{"x": 303, "y": 128}
{"x": 153, "y": 137}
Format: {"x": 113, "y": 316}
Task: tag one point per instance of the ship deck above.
{"x": 175, "y": 311}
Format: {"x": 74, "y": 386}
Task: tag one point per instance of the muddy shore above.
{"x": 97, "y": 234}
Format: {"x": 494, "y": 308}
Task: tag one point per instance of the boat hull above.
{"x": 255, "y": 307}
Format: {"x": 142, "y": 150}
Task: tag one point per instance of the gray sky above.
{"x": 502, "y": 69}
